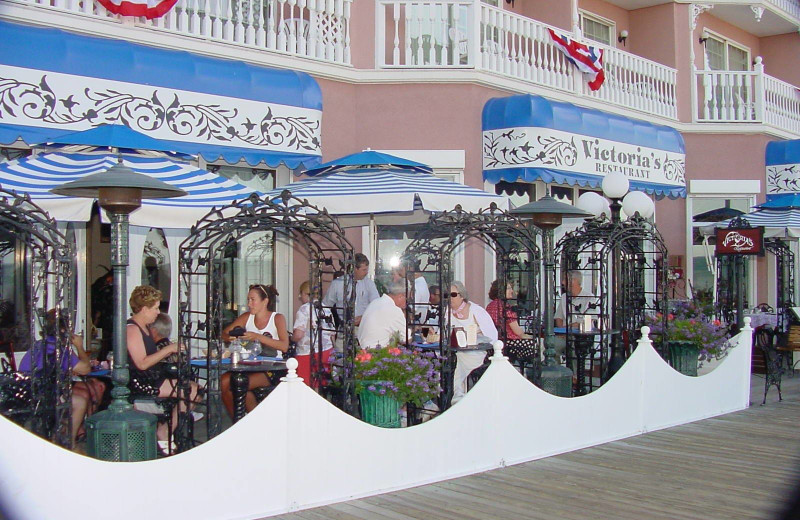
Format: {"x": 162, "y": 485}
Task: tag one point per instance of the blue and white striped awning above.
{"x": 36, "y": 176}
{"x": 401, "y": 195}
{"x": 776, "y": 222}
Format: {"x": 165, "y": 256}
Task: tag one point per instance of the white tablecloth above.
{"x": 763, "y": 318}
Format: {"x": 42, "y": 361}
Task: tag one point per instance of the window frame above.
{"x": 726, "y": 44}
{"x": 611, "y": 24}
{"x": 704, "y": 191}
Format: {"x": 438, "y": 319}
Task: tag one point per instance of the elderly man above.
{"x": 366, "y": 291}
{"x": 421, "y": 294}
{"x": 384, "y": 317}
{"x": 581, "y": 301}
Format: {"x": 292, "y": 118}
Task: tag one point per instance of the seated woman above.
{"x": 264, "y": 325}
{"x": 85, "y": 395}
{"x": 147, "y": 377}
{"x": 518, "y": 345}
{"x": 300, "y": 335}
{"x": 462, "y": 314}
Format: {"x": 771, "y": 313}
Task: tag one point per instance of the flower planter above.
{"x": 379, "y": 410}
{"x": 683, "y": 357}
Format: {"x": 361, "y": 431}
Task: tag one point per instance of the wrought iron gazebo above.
{"x": 44, "y": 257}
{"x": 517, "y": 261}
{"x": 624, "y": 266}
{"x": 201, "y": 317}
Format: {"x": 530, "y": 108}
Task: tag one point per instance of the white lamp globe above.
{"x": 606, "y": 207}
{"x": 638, "y": 202}
{"x": 591, "y": 202}
{"x": 615, "y": 185}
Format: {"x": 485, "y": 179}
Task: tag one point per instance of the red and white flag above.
{"x": 149, "y": 9}
{"x": 588, "y": 59}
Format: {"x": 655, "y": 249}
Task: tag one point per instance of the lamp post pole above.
{"x": 120, "y": 433}
{"x": 548, "y": 214}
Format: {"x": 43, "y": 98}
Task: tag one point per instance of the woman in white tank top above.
{"x": 264, "y": 325}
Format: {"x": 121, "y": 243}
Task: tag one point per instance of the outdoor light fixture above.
{"x": 547, "y": 214}
{"x": 623, "y": 37}
{"x": 703, "y": 38}
{"x": 120, "y": 433}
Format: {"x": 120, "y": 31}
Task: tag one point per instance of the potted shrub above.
{"x": 388, "y": 377}
{"x": 691, "y": 337}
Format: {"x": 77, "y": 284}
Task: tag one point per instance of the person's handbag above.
{"x": 268, "y": 351}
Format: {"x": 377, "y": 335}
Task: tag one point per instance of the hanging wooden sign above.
{"x": 740, "y": 241}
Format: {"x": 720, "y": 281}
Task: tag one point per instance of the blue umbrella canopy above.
{"x": 110, "y": 136}
{"x": 782, "y": 201}
{"x": 368, "y": 160}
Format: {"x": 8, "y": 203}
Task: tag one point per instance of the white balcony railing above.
{"x": 470, "y": 34}
{"x": 317, "y": 29}
{"x": 792, "y": 7}
{"x": 725, "y": 96}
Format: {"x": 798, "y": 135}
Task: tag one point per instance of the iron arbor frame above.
{"x": 517, "y": 254}
{"x": 627, "y": 262}
{"x": 46, "y": 258}
{"x": 200, "y": 318}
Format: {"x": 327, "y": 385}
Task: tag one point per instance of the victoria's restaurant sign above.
{"x": 740, "y": 241}
{"x": 536, "y": 147}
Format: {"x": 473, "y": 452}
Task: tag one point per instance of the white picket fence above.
{"x": 296, "y": 450}
{"x": 725, "y": 96}
{"x": 471, "y": 34}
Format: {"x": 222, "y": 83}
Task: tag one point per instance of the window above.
{"x": 598, "y": 29}
{"x": 706, "y": 206}
{"x": 722, "y": 54}
{"x": 155, "y": 265}
{"x": 258, "y": 179}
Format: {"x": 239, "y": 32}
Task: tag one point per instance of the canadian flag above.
{"x": 588, "y": 59}
{"x": 149, "y": 9}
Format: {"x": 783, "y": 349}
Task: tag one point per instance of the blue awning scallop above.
{"x": 57, "y": 82}
{"x": 782, "y": 160}
{"x": 528, "y": 137}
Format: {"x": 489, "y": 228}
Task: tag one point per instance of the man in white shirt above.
{"x": 366, "y": 291}
{"x": 421, "y": 296}
{"x": 384, "y": 317}
{"x": 581, "y": 302}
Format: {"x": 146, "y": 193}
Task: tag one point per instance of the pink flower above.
{"x": 670, "y": 317}
{"x": 717, "y": 323}
{"x": 363, "y": 356}
{"x": 395, "y": 351}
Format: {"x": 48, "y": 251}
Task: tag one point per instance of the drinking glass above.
{"x": 255, "y": 348}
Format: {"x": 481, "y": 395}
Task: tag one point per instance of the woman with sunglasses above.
{"x": 261, "y": 324}
{"x": 462, "y": 314}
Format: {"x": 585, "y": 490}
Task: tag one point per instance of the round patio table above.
{"x": 240, "y": 381}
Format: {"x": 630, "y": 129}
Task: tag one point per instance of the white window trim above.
{"x": 704, "y": 189}
{"x": 726, "y": 42}
{"x": 612, "y": 25}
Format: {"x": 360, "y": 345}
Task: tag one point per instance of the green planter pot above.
{"x": 683, "y": 357}
{"x": 379, "y": 410}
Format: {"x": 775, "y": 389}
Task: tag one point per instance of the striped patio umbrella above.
{"x": 36, "y": 176}
{"x": 776, "y": 222}
{"x": 390, "y": 196}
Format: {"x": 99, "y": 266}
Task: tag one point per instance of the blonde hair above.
{"x": 304, "y": 287}
{"x": 144, "y": 296}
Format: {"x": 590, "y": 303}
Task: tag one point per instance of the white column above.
{"x": 174, "y": 238}
{"x": 137, "y": 237}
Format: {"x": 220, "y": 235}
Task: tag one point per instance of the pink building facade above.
{"x": 412, "y": 78}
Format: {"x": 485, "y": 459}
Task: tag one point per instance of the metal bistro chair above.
{"x": 773, "y": 361}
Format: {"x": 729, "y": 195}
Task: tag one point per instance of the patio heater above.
{"x": 120, "y": 433}
{"x": 548, "y": 214}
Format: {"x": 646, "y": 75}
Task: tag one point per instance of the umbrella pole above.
{"x": 373, "y": 246}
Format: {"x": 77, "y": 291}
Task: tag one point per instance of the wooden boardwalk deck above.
{"x": 737, "y": 466}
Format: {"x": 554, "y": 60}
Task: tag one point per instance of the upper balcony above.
{"x": 723, "y": 96}
{"x": 454, "y": 34}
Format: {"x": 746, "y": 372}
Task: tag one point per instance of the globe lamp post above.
{"x": 120, "y": 433}
{"x": 548, "y": 214}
